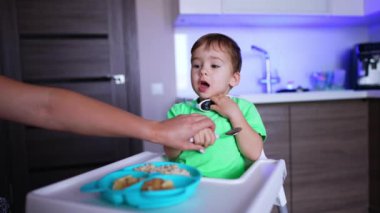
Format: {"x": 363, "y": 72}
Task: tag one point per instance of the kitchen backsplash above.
{"x": 374, "y": 32}
{"x": 295, "y": 52}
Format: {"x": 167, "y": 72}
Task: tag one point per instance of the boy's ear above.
{"x": 235, "y": 79}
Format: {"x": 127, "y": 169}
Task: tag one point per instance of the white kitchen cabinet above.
{"x": 200, "y": 6}
{"x": 277, "y": 12}
{"x": 346, "y": 7}
{"x": 274, "y": 7}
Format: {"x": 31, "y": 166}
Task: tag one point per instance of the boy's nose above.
{"x": 204, "y": 71}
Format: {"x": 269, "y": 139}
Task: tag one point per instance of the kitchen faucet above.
{"x": 267, "y": 80}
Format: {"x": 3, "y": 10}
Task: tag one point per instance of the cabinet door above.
{"x": 200, "y": 6}
{"x": 346, "y": 7}
{"x": 329, "y": 151}
{"x": 277, "y": 145}
{"x": 274, "y": 7}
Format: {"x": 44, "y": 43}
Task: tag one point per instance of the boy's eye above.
{"x": 196, "y": 66}
{"x": 214, "y": 66}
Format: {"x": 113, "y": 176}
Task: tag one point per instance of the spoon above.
{"x": 230, "y": 132}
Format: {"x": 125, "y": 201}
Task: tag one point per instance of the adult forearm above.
{"x": 63, "y": 110}
{"x": 68, "y": 111}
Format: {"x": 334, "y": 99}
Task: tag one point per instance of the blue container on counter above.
{"x": 328, "y": 80}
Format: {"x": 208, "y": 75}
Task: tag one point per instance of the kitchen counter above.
{"x": 262, "y": 98}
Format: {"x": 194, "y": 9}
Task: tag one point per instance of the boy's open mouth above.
{"x": 203, "y": 86}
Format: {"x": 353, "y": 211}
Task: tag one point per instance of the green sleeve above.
{"x": 179, "y": 109}
{"x": 171, "y": 113}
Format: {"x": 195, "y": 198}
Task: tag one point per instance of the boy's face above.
{"x": 212, "y": 72}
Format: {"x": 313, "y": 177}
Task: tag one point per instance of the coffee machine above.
{"x": 365, "y": 73}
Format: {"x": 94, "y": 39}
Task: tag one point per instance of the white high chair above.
{"x": 281, "y": 198}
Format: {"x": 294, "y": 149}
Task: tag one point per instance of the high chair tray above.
{"x": 255, "y": 191}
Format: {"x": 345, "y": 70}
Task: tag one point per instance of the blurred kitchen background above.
{"x": 301, "y": 37}
{"x": 135, "y": 55}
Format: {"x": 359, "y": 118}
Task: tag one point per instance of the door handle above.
{"x": 117, "y": 78}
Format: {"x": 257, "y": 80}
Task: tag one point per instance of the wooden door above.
{"x": 4, "y": 166}
{"x": 88, "y": 46}
{"x": 329, "y": 149}
{"x": 374, "y": 154}
{"x": 11, "y": 133}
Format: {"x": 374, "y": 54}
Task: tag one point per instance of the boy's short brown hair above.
{"x": 223, "y": 42}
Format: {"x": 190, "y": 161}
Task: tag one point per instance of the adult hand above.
{"x": 176, "y": 132}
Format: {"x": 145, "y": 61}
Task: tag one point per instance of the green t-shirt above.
{"x": 222, "y": 159}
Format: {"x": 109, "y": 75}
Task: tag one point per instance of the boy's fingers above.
{"x": 215, "y": 107}
{"x": 194, "y": 146}
{"x": 191, "y": 146}
{"x": 208, "y": 140}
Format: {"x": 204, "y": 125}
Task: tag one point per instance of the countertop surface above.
{"x": 262, "y": 98}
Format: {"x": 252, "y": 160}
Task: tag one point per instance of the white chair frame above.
{"x": 281, "y": 198}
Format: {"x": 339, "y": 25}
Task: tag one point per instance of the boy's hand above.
{"x": 176, "y": 132}
{"x": 205, "y": 138}
{"x": 225, "y": 106}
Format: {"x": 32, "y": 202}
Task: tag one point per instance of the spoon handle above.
{"x": 230, "y": 132}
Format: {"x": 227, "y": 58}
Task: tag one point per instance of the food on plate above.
{"x": 166, "y": 169}
{"x": 154, "y": 184}
{"x": 157, "y": 184}
{"x": 124, "y": 182}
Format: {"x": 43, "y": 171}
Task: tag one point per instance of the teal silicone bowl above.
{"x": 184, "y": 187}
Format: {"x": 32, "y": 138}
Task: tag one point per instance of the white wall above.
{"x": 374, "y": 33}
{"x": 156, "y": 59}
{"x": 295, "y": 52}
